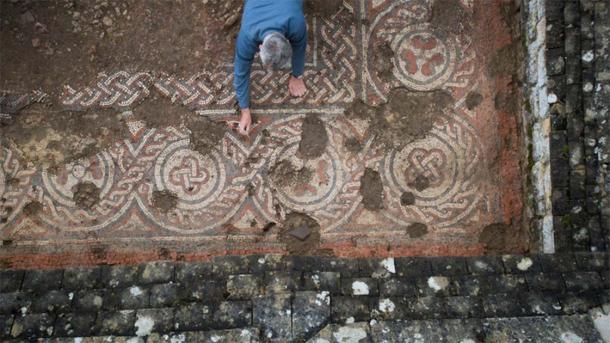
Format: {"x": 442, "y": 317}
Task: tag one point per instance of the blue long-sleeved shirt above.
{"x": 260, "y": 18}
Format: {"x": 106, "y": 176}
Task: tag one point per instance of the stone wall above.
{"x": 577, "y": 65}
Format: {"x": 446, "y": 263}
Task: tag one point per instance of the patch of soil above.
{"x": 371, "y": 189}
{"x": 407, "y": 199}
{"x": 473, "y": 99}
{"x": 12, "y": 181}
{"x": 164, "y": 201}
{"x": 300, "y": 233}
{"x": 507, "y": 101}
{"x": 450, "y": 16}
{"x": 32, "y": 209}
{"x": 285, "y": 174}
{"x": 417, "y": 230}
{"x": 420, "y": 183}
{"x": 86, "y": 195}
{"x": 51, "y": 138}
{"x": 314, "y": 138}
{"x": 384, "y": 55}
{"x": 323, "y": 8}
{"x": 5, "y": 211}
{"x": 58, "y": 42}
{"x": 406, "y": 116}
{"x": 499, "y": 238}
{"x": 205, "y": 134}
{"x": 505, "y": 61}
{"x": 353, "y": 145}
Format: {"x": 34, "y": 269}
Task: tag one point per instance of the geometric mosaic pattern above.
{"x": 215, "y": 207}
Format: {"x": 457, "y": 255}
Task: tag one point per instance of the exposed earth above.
{"x": 118, "y": 114}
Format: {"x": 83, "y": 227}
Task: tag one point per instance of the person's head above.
{"x": 275, "y": 52}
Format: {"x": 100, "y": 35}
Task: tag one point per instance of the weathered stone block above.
{"x": 244, "y": 286}
{"x": 582, "y": 281}
{"x": 233, "y": 314}
{"x": 119, "y": 276}
{"x": 194, "y": 316}
{"x": 483, "y": 265}
{"x": 167, "y": 294}
{"x": 281, "y": 282}
{"x": 156, "y": 272}
{"x": 463, "y": 306}
{"x": 272, "y": 314}
{"x": 10, "y": 280}
{"x": 53, "y": 301}
{"x": 75, "y": 325}
{"x": 89, "y": 300}
{"x": 322, "y": 281}
{"x": 545, "y": 282}
{"x": 154, "y": 320}
{"x": 192, "y": 273}
{"x": 80, "y": 278}
{"x": 118, "y": 323}
{"x": 311, "y": 312}
{"x": 394, "y": 287}
{"x": 32, "y": 326}
{"x": 14, "y": 302}
{"x": 412, "y": 266}
{"x": 448, "y": 265}
{"x": 6, "y": 321}
{"x": 515, "y": 264}
{"x": 349, "y": 309}
{"x": 557, "y": 262}
{"x": 42, "y": 280}
{"x": 359, "y": 286}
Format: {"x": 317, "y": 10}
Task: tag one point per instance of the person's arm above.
{"x": 298, "y": 41}
{"x": 244, "y": 54}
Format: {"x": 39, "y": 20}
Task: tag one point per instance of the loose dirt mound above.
{"x": 383, "y": 55}
{"x": 205, "y": 134}
{"x": 406, "y": 116}
{"x": 353, "y": 145}
{"x": 371, "y": 190}
{"x": 473, "y": 100}
{"x": 500, "y": 238}
{"x": 300, "y": 233}
{"x": 417, "y": 230}
{"x": 32, "y": 209}
{"x": 51, "y": 138}
{"x": 284, "y": 174}
{"x": 323, "y": 8}
{"x": 313, "y": 138}
{"x": 420, "y": 183}
{"x": 86, "y": 195}
{"x": 164, "y": 201}
{"x": 407, "y": 199}
{"x": 450, "y": 15}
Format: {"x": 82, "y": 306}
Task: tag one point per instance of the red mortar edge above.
{"x": 118, "y": 257}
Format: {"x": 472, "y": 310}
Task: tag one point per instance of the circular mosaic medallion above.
{"x": 424, "y": 60}
{"x": 98, "y": 169}
{"x": 197, "y": 180}
{"x": 427, "y": 168}
{"x": 320, "y": 186}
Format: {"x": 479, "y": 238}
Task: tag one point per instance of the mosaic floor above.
{"x": 225, "y": 198}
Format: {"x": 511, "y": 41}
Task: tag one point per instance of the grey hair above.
{"x": 276, "y": 51}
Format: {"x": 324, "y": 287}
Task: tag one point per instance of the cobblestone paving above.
{"x": 274, "y": 298}
{"x": 578, "y": 63}
{"x": 469, "y": 160}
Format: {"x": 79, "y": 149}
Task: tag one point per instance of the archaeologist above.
{"x": 277, "y": 31}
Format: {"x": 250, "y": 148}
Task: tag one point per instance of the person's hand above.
{"x": 245, "y": 122}
{"x": 296, "y": 86}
